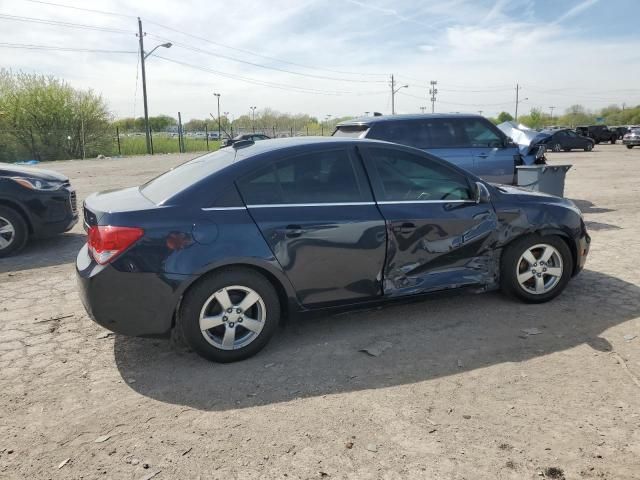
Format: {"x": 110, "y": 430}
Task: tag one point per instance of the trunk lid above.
{"x": 103, "y": 207}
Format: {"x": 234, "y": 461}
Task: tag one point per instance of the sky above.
{"x": 333, "y": 57}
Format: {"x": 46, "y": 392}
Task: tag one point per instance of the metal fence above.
{"x": 62, "y": 144}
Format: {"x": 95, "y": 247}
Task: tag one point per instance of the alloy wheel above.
{"x": 539, "y": 269}
{"x": 232, "y": 317}
{"x": 557, "y": 147}
{"x": 7, "y": 233}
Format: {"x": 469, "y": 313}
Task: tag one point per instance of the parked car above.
{"x": 567, "y": 140}
{"x": 468, "y": 141}
{"x": 225, "y": 245}
{"x": 620, "y": 131}
{"x": 253, "y": 137}
{"x": 632, "y": 139}
{"x": 33, "y": 203}
{"x": 599, "y": 133}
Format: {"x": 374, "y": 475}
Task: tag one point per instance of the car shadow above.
{"x": 45, "y": 252}
{"x": 587, "y": 206}
{"x": 429, "y": 339}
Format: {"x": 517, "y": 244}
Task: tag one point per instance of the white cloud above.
{"x": 468, "y": 43}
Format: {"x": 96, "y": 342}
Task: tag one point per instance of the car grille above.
{"x": 73, "y": 202}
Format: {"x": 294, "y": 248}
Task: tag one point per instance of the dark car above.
{"x": 253, "y": 137}
{"x": 567, "y": 140}
{"x": 620, "y": 131}
{"x": 33, "y": 203}
{"x": 599, "y": 133}
{"x": 468, "y": 141}
{"x": 224, "y": 246}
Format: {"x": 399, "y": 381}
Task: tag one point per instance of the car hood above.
{"x": 526, "y": 138}
{"x": 526, "y": 195}
{"x": 8, "y": 170}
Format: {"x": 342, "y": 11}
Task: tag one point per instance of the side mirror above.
{"x": 482, "y": 193}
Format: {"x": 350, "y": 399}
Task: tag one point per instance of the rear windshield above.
{"x": 183, "y": 176}
{"x": 351, "y": 131}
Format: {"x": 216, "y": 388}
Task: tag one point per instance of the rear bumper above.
{"x": 128, "y": 302}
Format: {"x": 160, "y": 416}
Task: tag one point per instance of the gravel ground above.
{"x": 463, "y": 393}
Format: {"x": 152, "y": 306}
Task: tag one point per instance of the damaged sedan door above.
{"x": 439, "y": 227}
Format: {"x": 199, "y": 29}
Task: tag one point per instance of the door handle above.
{"x": 482, "y": 155}
{"x": 293, "y": 231}
{"x": 406, "y": 227}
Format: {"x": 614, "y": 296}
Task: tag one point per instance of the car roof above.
{"x": 410, "y": 116}
{"x": 293, "y": 143}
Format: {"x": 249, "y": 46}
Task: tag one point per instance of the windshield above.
{"x": 183, "y": 176}
{"x": 351, "y": 131}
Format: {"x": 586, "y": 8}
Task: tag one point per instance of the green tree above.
{"x": 46, "y": 119}
{"x": 504, "y": 117}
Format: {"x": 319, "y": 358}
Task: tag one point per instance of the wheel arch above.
{"x": 284, "y": 289}
{"x": 550, "y": 231}
{"x": 20, "y": 209}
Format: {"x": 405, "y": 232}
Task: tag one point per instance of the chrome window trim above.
{"x": 209, "y": 209}
{"x": 400, "y": 202}
{"x": 334, "y": 204}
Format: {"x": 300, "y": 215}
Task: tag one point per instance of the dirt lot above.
{"x": 463, "y": 393}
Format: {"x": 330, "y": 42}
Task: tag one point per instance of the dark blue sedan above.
{"x": 224, "y": 246}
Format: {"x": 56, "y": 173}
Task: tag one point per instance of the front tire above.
{"x": 589, "y": 147}
{"x": 230, "y": 315}
{"x": 14, "y": 232}
{"x": 557, "y": 147}
{"x": 629, "y": 147}
{"x": 613, "y": 140}
{"x": 536, "y": 269}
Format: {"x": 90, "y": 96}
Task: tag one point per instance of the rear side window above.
{"x": 423, "y": 133}
{"x": 404, "y": 176}
{"x": 321, "y": 177}
{"x": 182, "y": 177}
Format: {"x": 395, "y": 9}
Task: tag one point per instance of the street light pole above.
{"x": 217, "y": 95}
{"x": 395, "y": 90}
{"x": 253, "y": 118}
{"x": 143, "y": 57}
{"x": 433, "y": 91}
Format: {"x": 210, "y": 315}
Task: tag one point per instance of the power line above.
{"x": 63, "y": 24}
{"x": 249, "y": 52}
{"x": 28, "y": 46}
{"x": 266, "y": 83}
{"x": 84, "y": 9}
{"x": 233, "y": 59}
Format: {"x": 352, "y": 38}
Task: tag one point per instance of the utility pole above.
{"x": 143, "y": 57}
{"x": 253, "y": 118}
{"x": 433, "y": 91}
{"x": 144, "y": 86}
{"x": 552, "y": 108}
{"x": 394, "y": 90}
{"x": 480, "y": 112}
{"x": 517, "y": 101}
{"x": 393, "y": 96}
{"x": 217, "y": 95}
{"x": 422, "y": 109}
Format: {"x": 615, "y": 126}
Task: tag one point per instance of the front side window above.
{"x": 407, "y": 177}
{"x": 480, "y": 135}
{"x": 321, "y": 177}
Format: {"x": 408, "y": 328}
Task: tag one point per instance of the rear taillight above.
{"x": 107, "y": 242}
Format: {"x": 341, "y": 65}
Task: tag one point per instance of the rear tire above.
{"x": 589, "y": 147}
{"x": 629, "y": 147}
{"x": 538, "y": 279}
{"x": 14, "y": 231}
{"x": 613, "y": 140}
{"x": 237, "y": 331}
